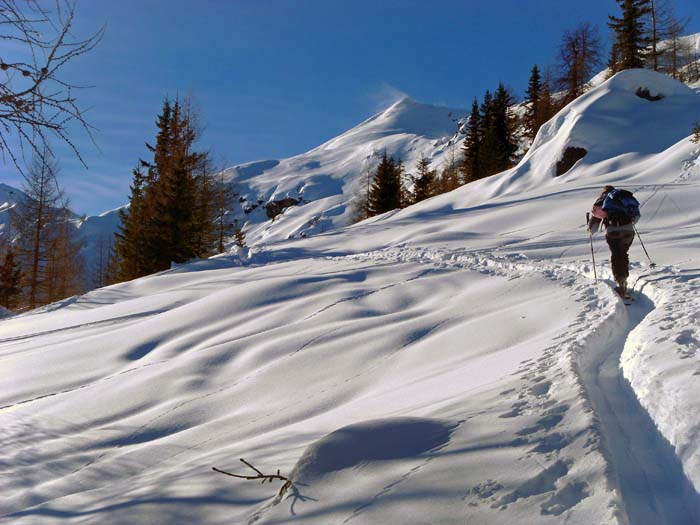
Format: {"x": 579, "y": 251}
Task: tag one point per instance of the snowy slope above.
{"x": 326, "y": 179}
{"x": 453, "y": 362}
{"x": 8, "y": 198}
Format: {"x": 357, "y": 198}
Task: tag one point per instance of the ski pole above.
{"x": 590, "y": 236}
{"x": 652, "y": 264}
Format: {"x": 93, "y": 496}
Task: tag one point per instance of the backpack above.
{"x": 620, "y": 206}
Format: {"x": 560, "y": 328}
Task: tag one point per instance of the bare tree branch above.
{"x": 258, "y": 475}
{"x": 35, "y": 101}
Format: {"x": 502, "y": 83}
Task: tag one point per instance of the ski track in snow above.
{"x": 643, "y": 465}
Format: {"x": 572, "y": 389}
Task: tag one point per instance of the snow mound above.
{"x": 631, "y": 80}
{"x": 370, "y": 441}
{"x": 611, "y": 122}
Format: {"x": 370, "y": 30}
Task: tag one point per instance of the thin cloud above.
{"x": 385, "y": 96}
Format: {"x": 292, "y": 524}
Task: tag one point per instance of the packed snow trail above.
{"x": 644, "y": 465}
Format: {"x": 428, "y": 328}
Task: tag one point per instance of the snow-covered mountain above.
{"x": 325, "y": 180}
{"x": 9, "y": 196}
{"x": 452, "y": 362}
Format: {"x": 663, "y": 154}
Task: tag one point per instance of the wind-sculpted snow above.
{"x": 286, "y": 355}
{"x": 452, "y": 362}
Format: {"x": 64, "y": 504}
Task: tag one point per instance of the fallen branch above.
{"x": 258, "y": 475}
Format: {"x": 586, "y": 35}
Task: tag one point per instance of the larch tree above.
{"x": 579, "y": 58}
{"x": 99, "y": 270}
{"x": 32, "y": 218}
{"x": 64, "y": 264}
{"x": 548, "y": 106}
{"x": 675, "y": 53}
{"x": 45, "y": 238}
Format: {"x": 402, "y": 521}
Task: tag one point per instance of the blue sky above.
{"x": 273, "y": 78}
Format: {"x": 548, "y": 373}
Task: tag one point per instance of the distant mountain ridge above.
{"x": 327, "y": 178}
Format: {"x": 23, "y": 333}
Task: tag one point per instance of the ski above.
{"x": 626, "y": 296}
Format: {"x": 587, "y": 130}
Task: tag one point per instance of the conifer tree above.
{"x": 488, "y": 150}
{"x": 424, "y": 182}
{"x": 404, "y": 180}
{"x": 174, "y": 191}
{"x": 171, "y": 210}
{"x": 631, "y": 37}
{"x": 385, "y": 190}
{"x": 504, "y": 124}
{"x": 238, "y": 234}
{"x": 533, "y": 99}
{"x": 471, "y": 146}
{"x": 129, "y": 258}
{"x": 10, "y": 279}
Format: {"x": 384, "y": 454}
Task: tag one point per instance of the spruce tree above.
{"x": 471, "y": 163}
{"x": 488, "y": 150}
{"x": 631, "y": 38}
{"x": 171, "y": 215}
{"x": 10, "y": 279}
{"x": 129, "y": 258}
{"x": 238, "y": 234}
{"x": 424, "y": 182}
{"x": 404, "y": 180}
{"x": 533, "y": 100}
{"x": 385, "y": 190}
{"x": 497, "y": 144}
{"x": 504, "y": 124}
{"x": 174, "y": 228}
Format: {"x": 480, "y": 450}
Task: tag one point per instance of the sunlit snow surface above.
{"x": 453, "y": 362}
